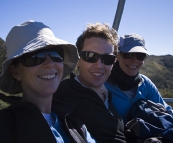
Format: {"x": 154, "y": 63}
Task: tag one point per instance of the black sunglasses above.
{"x": 139, "y": 56}
{"x": 38, "y": 57}
{"x": 92, "y": 57}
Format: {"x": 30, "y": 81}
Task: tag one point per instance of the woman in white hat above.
{"x": 36, "y": 63}
{"x": 125, "y": 83}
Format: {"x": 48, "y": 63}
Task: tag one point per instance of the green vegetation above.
{"x": 3, "y": 104}
{"x": 2, "y": 51}
{"x": 160, "y": 70}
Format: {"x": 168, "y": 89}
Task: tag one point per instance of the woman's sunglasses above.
{"x": 92, "y": 57}
{"x": 38, "y": 57}
{"x": 139, "y": 56}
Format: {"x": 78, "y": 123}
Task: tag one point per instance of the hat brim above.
{"x": 132, "y": 49}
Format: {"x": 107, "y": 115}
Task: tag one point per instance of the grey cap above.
{"x": 132, "y": 43}
{"x": 28, "y": 37}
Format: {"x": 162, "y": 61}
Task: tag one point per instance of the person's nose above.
{"x": 48, "y": 63}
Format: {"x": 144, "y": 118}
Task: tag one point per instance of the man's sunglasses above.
{"x": 38, "y": 57}
{"x": 92, "y": 57}
{"x": 139, "y": 56}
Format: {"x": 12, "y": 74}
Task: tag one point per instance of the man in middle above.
{"x": 97, "y": 47}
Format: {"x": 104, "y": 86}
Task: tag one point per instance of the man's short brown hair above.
{"x": 98, "y": 30}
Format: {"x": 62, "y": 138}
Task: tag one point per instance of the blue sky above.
{"x": 152, "y": 19}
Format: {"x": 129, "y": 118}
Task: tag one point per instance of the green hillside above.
{"x": 2, "y": 51}
{"x": 160, "y": 70}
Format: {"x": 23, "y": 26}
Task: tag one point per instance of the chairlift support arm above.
{"x": 118, "y": 14}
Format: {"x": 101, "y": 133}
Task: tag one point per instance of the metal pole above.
{"x": 118, "y": 14}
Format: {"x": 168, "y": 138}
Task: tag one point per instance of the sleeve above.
{"x": 154, "y": 95}
{"x": 89, "y": 139}
{"x": 6, "y": 128}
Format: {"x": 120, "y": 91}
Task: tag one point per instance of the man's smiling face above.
{"x": 95, "y": 74}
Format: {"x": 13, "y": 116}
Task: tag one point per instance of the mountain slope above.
{"x": 160, "y": 70}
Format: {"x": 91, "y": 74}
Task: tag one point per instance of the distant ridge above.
{"x": 2, "y": 52}
{"x": 2, "y": 43}
{"x": 160, "y": 70}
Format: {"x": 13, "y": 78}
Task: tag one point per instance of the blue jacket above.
{"x": 146, "y": 90}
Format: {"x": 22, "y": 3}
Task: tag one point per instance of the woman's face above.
{"x": 130, "y": 66}
{"x": 41, "y": 80}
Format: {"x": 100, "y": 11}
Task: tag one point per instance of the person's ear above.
{"x": 14, "y": 72}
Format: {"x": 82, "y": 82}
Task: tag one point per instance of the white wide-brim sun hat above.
{"x": 28, "y": 37}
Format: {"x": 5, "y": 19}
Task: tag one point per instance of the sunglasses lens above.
{"x": 141, "y": 56}
{"x": 127, "y": 55}
{"x": 38, "y": 57}
{"x": 108, "y": 59}
{"x": 90, "y": 57}
{"x": 55, "y": 56}
{"x": 33, "y": 59}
